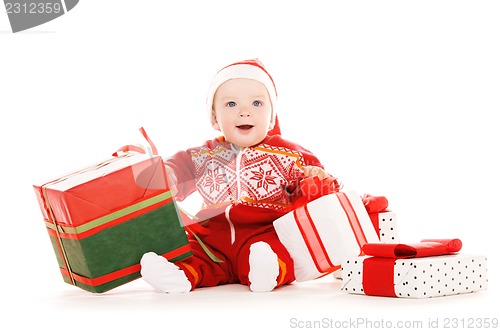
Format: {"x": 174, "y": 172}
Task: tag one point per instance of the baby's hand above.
{"x": 310, "y": 171}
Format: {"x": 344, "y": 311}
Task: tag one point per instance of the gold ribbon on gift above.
{"x": 59, "y": 240}
{"x": 89, "y": 228}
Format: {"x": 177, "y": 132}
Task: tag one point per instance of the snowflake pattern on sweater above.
{"x": 253, "y": 176}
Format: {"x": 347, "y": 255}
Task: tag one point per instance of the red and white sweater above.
{"x": 262, "y": 176}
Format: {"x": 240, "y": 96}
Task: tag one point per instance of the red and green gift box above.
{"x": 103, "y": 218}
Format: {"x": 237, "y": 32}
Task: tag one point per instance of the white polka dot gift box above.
{"x": 430, "y": 268}
{"x": 320, "y": 234}
{"x": 386, "y": 226}
{"x": 384, "y": 220}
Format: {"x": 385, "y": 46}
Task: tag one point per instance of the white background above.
{"x": 396, "y": 98}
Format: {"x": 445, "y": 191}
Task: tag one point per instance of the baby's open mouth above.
{"x": 245, "y": 127}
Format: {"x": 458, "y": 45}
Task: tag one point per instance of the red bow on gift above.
{"x": 375, "y": 204}
{"x": 378, "y": 271}
{"x": 423, "y": 249}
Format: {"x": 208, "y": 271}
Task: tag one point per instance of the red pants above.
{"x": 202, "y": 271}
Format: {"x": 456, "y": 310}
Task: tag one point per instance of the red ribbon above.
{"x": 311, "y": 189}
{"x": 357, "y": 230}
{"x": 378, "y": 271}
{"x": 378, "y": 276}
{"x": 423, "y": 249}
{"x": 312, "y": 240}
{"x": 374, "y": 204}
{"x": 97, "y": 281}
{"x": 136, "y": 148}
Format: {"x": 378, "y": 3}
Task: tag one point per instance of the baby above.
{"x": 247, "y": 178}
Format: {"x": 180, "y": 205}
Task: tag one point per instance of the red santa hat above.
{"x": 251, "y": 69}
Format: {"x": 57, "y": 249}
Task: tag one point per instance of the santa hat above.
{"x": 251, "y": 69}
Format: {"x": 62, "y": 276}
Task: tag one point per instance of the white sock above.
{"x": 163, "y": 275}
{"x": 264, "y": 267}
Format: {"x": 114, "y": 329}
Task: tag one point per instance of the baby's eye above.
{"x": 231, "y": 104}
{"x": 257, "y": 103}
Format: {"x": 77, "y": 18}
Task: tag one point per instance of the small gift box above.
{"x": 384, "y": 221}
{"x": 431, "y": 268}
{"x": 103, "y": 218}
{"x": 386, "y": 226}
{"x": 321, "y": 232}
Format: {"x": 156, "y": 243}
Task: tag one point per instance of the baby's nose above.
{"x": 244, "y": 112}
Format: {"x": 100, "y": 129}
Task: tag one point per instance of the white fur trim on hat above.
{"x": 251, "y": 69}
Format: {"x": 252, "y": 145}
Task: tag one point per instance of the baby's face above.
{"x": 242, "y": 111}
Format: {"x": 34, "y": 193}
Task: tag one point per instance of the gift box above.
{"x": 386, "y": 226}
{"x": 384, "y": 221}
{"x": 415, "y": 276}
{"x": 103, "y": 218}
{"x": 321, "y": 233}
